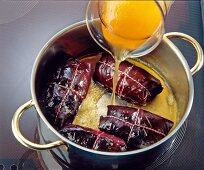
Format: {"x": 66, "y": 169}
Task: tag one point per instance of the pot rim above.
{"x": 33, "y": 94}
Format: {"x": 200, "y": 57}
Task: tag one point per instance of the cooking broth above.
{"x": 95, "y": 104}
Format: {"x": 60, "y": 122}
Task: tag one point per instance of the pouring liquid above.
{"x": 119, "y": 57}
{"x": 126, "y": 26}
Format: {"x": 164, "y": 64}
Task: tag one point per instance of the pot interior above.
{"x": 76, "y": 41}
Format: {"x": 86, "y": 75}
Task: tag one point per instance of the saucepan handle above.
{"x": 194, "y": 43}
{"x": 17, "y": 133}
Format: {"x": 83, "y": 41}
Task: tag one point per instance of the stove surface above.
{"x": 24, "y": 32}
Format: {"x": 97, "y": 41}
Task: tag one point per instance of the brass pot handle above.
{"x": 17, "y": 133}
{"x": 196, "y": 45}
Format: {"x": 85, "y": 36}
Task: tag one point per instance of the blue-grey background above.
{"x": 25, "y": 26}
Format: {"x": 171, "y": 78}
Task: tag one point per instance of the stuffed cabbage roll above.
{"x": 66, "y": 90}
{"x": 134, "y": 84}
{"x": 93, "y": 139}
{"x": 137, "y": 127}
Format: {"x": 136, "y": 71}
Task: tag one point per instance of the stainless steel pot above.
{"x": 166, "y": 58}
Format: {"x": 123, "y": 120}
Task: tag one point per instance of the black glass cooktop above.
{"x": 25, "y": 26}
